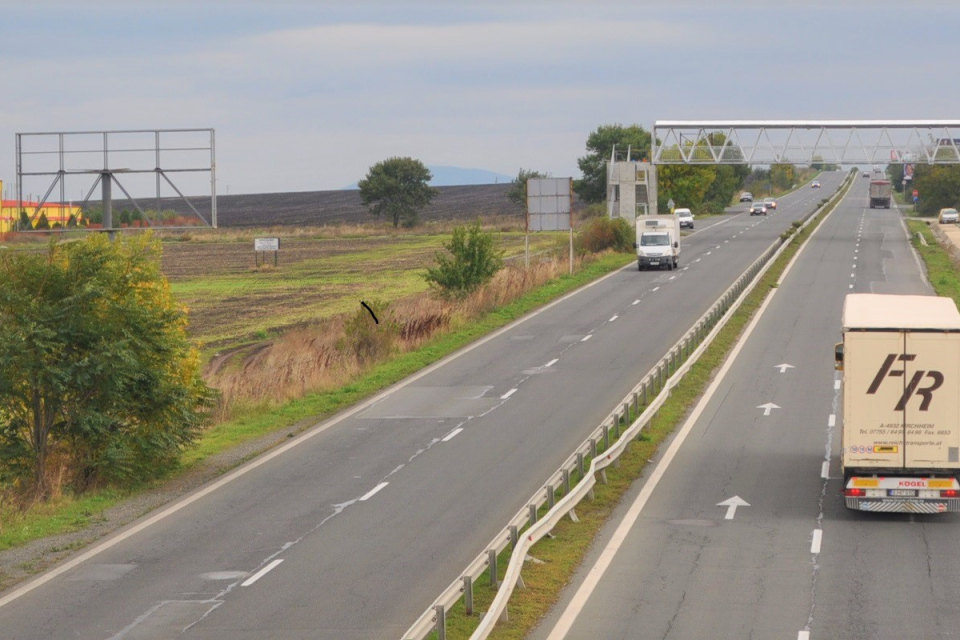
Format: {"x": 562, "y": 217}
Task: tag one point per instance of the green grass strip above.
{"x": 942, "y": 271}
{"x": 563, "y": 554}
{"x": 71, "y": 514}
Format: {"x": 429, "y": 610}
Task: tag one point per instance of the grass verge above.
{"x": 561, "y": 555}
{"x": 942, "y": 271}
{"x": 67, "y": 515}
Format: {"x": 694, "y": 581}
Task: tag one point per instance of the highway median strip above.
{"x": 560, "y": 554}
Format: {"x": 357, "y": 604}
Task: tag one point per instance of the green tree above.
{"x": 42, "y": 222}
{"x": 686, "y": 185}
{"x": 125, "y": 217}
{"x": 97, "y": 374}
{"x": 472, "y": 261}
{"x": 782, "y": 176}
{"x": 397, "y": 188}
{"x": 25, "y": 224}
{"x": 895, "y": 171}
{"x": 517, "y": 193}
{"x": 939, "y": 187}
{"x": 592, "y": 187}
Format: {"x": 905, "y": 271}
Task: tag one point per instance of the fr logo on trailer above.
{"x": 913, "y": 386}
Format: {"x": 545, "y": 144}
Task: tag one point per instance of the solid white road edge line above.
{"x": 815, "y": 543}
{"x": 259, "y": 574}
{"x": 579, "y": 600}
{"x": 453, "y": 434}
{"x": 373, "y": 492}
{"x": 508, "y": 394}
{"x": 803, "y": 635}
{"x": 825, "y": 470}
{"x": 832, "y": 420}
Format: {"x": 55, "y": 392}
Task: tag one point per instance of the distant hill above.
{"x": 459, "y": 176}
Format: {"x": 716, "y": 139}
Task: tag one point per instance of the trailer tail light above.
{"x": 855, "y": 493}
{"x": 950, "y": 493}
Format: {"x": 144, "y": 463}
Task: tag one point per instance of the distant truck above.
{"x": 879, "y": 194}
{"x": 900, "y": 442}
{"x": 658, "y": 242}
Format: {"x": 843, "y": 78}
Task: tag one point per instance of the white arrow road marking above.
{"x": 259, "y": 574}
{"x": 731, "y": 504}
{"x": 767, "y": 408}
{"x": 783, "y": 367}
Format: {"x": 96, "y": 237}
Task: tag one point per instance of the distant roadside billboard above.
{"x": 549, "y": 204}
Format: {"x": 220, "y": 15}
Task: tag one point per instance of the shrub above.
{"x": 599, "y": 234}
{"x": 472, "y": 261}
{"x": 368, "y": 339}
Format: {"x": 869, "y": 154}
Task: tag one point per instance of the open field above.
{"x": 311, "y": 208}
{"x": 231, "y": 302}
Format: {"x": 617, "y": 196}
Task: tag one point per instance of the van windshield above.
{"x": 655, "y": 241}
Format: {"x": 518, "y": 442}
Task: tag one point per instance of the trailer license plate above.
{"x": 903, "y": 493}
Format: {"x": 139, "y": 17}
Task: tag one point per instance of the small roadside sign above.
{"x": 916, "y": 193}
{"x": 263, "y": 245}
{"x": 671, "y": 204}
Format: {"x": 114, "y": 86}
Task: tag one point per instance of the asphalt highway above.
{"x": 351, "y": 530}
{"x": 795, "y": 563}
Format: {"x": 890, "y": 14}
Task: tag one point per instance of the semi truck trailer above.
{"x": 900, "y": 438}
{"x": 880, "y": 194}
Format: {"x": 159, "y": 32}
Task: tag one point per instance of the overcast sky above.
{"x": 306, "y": 96}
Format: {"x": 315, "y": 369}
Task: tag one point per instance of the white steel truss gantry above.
{"x": 806, "y": 141}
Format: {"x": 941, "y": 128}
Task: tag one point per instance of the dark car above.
{"x": 758, "y": 209}
{"x": 746, "y": 196}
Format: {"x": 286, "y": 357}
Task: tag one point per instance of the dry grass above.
{"x": 317, "y": 358}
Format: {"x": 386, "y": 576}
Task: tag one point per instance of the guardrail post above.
{"x": 566, "y": 481}
{"x": 551, "y": 497}
{"x": 468, "y": 595}
{"x": 579, "y": 465}
{"x": 606, "y": 433}
{"x": 644, "y": 393}
{"x": 626, "y": 416}
{"x": 593, "y": 447}
{"x": 492, "y": 561}
{"x": 636, "y": 403}
{"x": 533, "y": 514}
{"x": 441, "y": 622}
{"x": 514, "y": 537}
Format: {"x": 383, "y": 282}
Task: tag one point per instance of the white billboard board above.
{"x": 266, "y": 244}
{"x": 549, "y": 204}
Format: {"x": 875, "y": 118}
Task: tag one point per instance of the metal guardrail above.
{"x": 602, "y": 448}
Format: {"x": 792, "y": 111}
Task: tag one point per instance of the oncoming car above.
{"x": 948, "y": 216}
{"x": 770, "y": 202}
{"x": 685, "y": 217}
{"x": 758, "y": 209}
{"x": 815, "y": 184}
